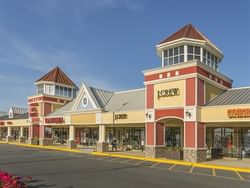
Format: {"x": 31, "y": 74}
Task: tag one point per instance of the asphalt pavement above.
{"x": 50, "y": 168}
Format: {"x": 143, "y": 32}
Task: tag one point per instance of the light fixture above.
{"x": 188, "y": 114}
{"x": 148, "y": 116}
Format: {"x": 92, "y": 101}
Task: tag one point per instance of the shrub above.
{"x": 10, "y": 181}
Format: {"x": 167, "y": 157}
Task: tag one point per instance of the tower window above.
{"x": 210, "y": 59}
{"x": 174, "y": 55}
{"x": 193, "y": 52}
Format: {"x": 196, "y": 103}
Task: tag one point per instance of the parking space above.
{"x": 246, "y": 176}
{"x": 225, "y": 173}
{"x": 203, "y": 171}
{"x": 233, "y": 175}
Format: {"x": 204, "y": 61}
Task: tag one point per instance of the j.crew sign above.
{"x": 168, "y": 93}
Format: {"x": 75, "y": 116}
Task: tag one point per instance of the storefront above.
{"x": 15, "y": 132}
{"x": 86, "y": 136}
{"x": 60, "y": 135}
{"x": 229, "y": 142}
{"x": 131, "y": 137}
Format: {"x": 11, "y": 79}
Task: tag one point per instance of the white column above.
{"x": 71, "y": 132}
{"x": 21, "y": 132}
{"x": 201, "y": 52}
{"x": 162, "y": 58}
{"x": 101, "y": 133}
{"x": 9, "y": 131}
{"x": 185, "y": 53}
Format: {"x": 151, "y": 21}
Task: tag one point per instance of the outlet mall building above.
{"x": 187, "y": 108}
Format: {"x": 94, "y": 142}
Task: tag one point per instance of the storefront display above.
{"x": 132, "y": 138}
{"x": 87, "y": 136}
{"x": 60, "y": 135}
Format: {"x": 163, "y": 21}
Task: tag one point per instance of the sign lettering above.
{"x": 54, "y": 120}
{"x": 168, "y": 93}
{"x": 239, "y": 113}
{"x": 121, "y": 116}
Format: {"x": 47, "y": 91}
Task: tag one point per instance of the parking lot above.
{"x": 64, "y": 169}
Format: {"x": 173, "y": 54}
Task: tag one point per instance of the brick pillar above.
{"x": 43, "y": 141}
{"x": 34, "y": 134}
{"x": 194, "y": 131}
{"x": 194, "y": 147}
{"x": 155, "y": 145}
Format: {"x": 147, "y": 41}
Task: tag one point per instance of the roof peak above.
{"x": 58, "y": 76}
{"x": 188, "y": 31}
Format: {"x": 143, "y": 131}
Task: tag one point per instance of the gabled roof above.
{"x": 231, "y": 97}
{"x": 17, "y": 110}
{"x": 102, "y": 96}
{"x": 188, "y": 31}
{"x": 127, "y": 100}
{"x": 58, "y": 76}
{"x": 19, "y": 116}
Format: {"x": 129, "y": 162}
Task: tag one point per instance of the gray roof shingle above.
{"x": 127, "y": 100}
{"x": 231, "y": 97}
{"x": 101, "y": 96}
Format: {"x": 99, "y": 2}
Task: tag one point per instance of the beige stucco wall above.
{"x": 83, "y": 118}
{"x": 220, "y": 113}
{"x": 16, "y": 123}
{"x": 132, "y": 117}
{"x": 170, "y": 100}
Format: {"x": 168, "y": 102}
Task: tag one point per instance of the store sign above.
{"x": 54, "y": 120}
{"x": 9, "y": 123}
{"x": 120, "y": 116}
{"x": 2, "y": 123}
{"x": 239, "y": 113}
{"x": 168, "y": 92}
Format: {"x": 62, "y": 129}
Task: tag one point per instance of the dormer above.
{"x": 188, "y": 44}
{"x": 56, "y": 83}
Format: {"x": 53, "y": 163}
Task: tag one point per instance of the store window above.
{"x": 246, "y": 142}
{"x": 173, "y": 137}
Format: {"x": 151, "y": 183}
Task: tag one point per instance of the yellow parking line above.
{"x": 139, "y": 163}
{"x": 154, "y": 165}
{"x": 126, "y": 161}
{"x": 238, "y": 174}
{"x": 191, "y": 169}
{"x": 213, "y": 172}
{"x": 172, "y": 167}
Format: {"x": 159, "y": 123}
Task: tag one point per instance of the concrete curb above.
{"x": 42, "y": 147}
{"x": 175, "y": 162}
{"x": 167, "y": 161}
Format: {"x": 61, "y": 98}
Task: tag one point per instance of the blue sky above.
{"x": 108, "y": 43}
